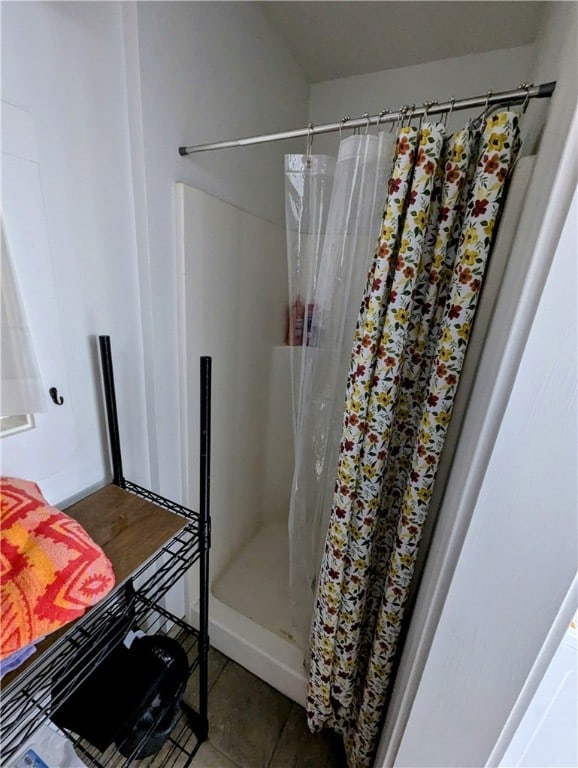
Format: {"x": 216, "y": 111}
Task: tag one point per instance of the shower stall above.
{"x": 271, "y": 486}
{"x": 233, "y": 305}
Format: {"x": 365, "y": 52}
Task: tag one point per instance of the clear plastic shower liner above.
{"x": 329, "y": 245}
{"x": 308, "y": 186}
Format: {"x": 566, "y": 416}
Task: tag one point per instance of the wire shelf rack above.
{"x": 30, "y": 696}
{"x": 29, "y": 699}
{"x": 183, "y": 743}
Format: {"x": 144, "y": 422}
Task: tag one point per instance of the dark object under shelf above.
{"x": 131, "y": 698}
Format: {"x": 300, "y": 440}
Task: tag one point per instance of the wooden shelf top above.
{"x": 129, "y": 529}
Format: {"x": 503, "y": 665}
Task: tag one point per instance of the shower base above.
{"x": 249, "y": 613}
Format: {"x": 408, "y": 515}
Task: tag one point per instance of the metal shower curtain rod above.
{"x": 518, "y": 95}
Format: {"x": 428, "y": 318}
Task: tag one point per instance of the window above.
{"x": 10, "y": 425}
{"x": 41, "y": 446}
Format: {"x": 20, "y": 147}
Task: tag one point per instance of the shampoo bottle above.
{"x": 296, "y": 322}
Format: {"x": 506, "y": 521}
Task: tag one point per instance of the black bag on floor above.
{"x": 131, "y": 698}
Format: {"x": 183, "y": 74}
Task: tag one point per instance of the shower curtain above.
{"x": 308, "y": 186}
{"x": 412, "y": 332}
{"x": 333, "y": 211}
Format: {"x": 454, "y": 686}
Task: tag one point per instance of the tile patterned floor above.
{"x": 251, "y": 725}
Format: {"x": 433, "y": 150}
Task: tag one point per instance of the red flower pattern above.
{"x": 479, "y": 207}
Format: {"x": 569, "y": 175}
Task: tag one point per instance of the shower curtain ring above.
{"x": 342, "y": 122}
{"x": 527, "y": 87}
{"x": 431, "y": 104}
{"x": 448, "y": 114}
{"x": 366, "y": 116}
{"x": 401, "y": 113}
{"x": 309, "y": 143}
{"x": 478, "y": 121}
{"x": 427, "y": 105}
{"x": 410, "y": 110}
{"x": 382, "y": 114}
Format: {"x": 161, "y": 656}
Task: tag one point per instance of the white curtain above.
{"x": 335, "y": 261}
{"x": 20, "y": 383}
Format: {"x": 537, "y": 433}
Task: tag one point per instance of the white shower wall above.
{"x": 279, "y": 459}
{"x": 233, "y": 293}
{"x": 232, "y": 278}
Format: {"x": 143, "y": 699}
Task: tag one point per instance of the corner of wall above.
{"x": 555, "y": 59}
{"x": 129, "y": 22}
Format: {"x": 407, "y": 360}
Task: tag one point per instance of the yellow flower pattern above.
{"x": 423, "y": 324}
{"x": 410, "y": 342}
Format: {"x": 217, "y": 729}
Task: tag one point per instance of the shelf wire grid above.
{"x": 29, "y": 699}
{"x": 161, "y": 501}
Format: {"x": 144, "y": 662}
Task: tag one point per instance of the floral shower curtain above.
{"x": 445, "y": 196}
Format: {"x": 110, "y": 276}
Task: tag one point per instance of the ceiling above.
{"x": 339, "y": 39}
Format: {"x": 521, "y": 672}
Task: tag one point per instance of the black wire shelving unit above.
{"x": 30, "y": 697}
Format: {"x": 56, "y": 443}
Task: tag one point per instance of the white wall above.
{"x": 207, "y": 71}
{"x": 64, "y": 64}
{"x": 548, "y": 734}
{"x": 461, "y": 76}
{"x": 114, "y": 90}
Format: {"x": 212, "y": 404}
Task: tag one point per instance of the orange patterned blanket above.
{"x": 50, "y": 569}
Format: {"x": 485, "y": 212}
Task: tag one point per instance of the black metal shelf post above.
{"x": 199, "y": 721}
{"x": 111, "y": 412}
{"x": 205, "y": 534}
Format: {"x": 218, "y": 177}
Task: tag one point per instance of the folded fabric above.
{"x": 50, "y": 569}
{"x": 16, "y": 659}
{"x": 47, "y": 746}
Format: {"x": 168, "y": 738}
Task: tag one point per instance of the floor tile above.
{"x": 215, "y": 666}
{"x": 209, "y": 757}
{"x": 299, "y": 748}
{"x": 246, "y": 717}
